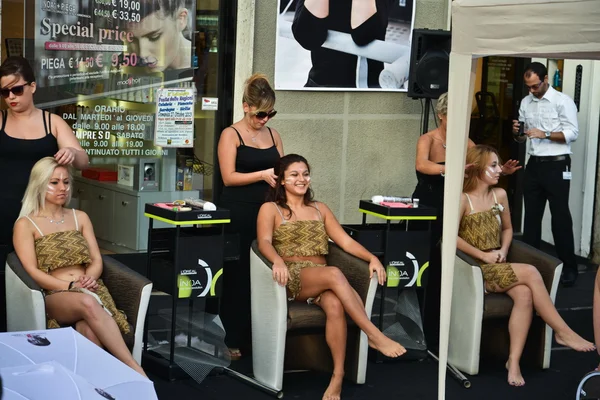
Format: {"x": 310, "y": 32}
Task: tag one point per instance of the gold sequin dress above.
{"x": 482, "y": 230}
{"x": 64, "y": 249}
{"x": 300, "y": 239}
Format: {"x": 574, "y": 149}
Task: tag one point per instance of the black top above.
{"x": 251, "y": 159}
{"x": 332, "y": 68}
{"x": 17, "y": 157}
{"x": 430, "y": 190}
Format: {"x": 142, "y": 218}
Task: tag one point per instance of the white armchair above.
{"x": 479, "y": 322}
{"x": 292, "y": 333}
{"x": 26, "y": 309}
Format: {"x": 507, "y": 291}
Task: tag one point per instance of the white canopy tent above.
{"x": 565, "y": 29}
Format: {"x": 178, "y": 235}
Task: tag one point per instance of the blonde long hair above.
{"x": 34, "y": 199}
{"x": 479, "y": 156}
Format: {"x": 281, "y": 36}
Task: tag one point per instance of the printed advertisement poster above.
{"x": 175, "y": 118}
{"x": 333, "y": 45}
{"x": 97, "y": 47}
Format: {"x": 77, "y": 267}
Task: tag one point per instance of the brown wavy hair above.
{"x": 478, "y": 156}
{"x": 278, "y": 194}
{"x": 259, "y": 93}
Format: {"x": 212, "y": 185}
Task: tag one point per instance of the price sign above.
{"x": 81, "y": 46}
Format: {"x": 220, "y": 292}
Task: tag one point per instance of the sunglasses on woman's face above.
{"x": 264, "y": 114}
{"x": 16, "y": 90}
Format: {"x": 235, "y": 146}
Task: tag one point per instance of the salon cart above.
{"x": 404, "y": 254}
{"x": 185, "y": 262}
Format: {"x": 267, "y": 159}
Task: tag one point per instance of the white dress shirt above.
{"x": 554, "y": 112}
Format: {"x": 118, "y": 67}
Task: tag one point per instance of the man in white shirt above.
{"x": 551, "y": 125}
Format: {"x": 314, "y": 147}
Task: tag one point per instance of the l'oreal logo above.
{"x": 129, "y": 82}
{"x": 396, "y": 264}
{"x": 204, "y": 216}
{"x": 188, "y": 272}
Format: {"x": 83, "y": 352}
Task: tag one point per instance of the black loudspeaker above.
{"x": 429, "y": 63}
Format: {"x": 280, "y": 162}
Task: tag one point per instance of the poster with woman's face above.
{"x": 95, "y": 47}
{"x": 343, "y": 45}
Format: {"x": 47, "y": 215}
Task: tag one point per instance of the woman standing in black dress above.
{"x": 27, "y": 134}
{"x": 430, "y": 168}
{"x": 248, "y": 151}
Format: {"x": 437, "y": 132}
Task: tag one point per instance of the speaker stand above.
{"x": 426, "y": 116}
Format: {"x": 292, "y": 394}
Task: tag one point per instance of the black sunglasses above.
{"x": 263, "y": 114}
{"x": 16, "y": 90}
{"x": 535, "y": 87}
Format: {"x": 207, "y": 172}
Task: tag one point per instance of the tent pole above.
{"x": 460, "y": 97}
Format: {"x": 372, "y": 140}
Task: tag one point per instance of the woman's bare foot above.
{"x": 574, "y": 341}
{"x": 334, "y": 390}
{"x": 514, "y": 373}
{"x": 387, "y": 346}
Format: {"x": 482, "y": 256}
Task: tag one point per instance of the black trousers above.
{"x": 544, "y": 182}
{"x": 235, "y": 300}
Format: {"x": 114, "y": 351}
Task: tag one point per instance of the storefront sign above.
{"x": 98, "y": 48}
{"x": 210, "y": 104}
{"x": 175, "y": 118}
{"x": 112, "y": 131}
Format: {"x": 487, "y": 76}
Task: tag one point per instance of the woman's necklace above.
{"x": 253, "y": 138}
{"x": 56, "y": 221}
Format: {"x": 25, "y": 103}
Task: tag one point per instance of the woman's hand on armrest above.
{"x": 375, "y": 266}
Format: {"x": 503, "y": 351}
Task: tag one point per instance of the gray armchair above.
{"x": 291, "y": 335}
{"x": 479, "y": 322}
{"x": 26, "y": 310}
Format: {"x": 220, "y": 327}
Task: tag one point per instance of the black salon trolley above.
{"x": 186, "y": 263}
{"x": 405, "y": 256}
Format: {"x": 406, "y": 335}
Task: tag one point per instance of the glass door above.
{"x": 496, "y": 105}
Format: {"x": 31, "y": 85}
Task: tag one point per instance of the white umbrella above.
{"x": 78, "y": 355}
{"x": 49, "y": 381}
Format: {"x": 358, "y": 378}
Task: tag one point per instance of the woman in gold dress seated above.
{"x": 57, "y": 247}
{"x": 293, "y": 233}
{"x": 485, "y": 233}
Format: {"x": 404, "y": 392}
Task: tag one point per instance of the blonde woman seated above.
{"x": 485, "y": 233}
{"x": 293, "y": 232}
{"x": 57, "y": 247}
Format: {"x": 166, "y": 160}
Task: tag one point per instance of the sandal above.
{"x": 235, "y": 354}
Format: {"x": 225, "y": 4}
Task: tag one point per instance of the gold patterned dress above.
{"x": 482, "y": 230}
{"x": 65, "y": 249}
{"x": 300, "y": 239}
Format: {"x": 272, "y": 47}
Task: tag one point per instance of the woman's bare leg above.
{"x": 362, "y": 10}
{"x": 336, "y": 335}
{"x": 68, "y": 308}
{"x": 529, "y": 275}
{"x": 518, "y": 328}
{"x": 85, "y": 329}
{"x": 317, "y": 280}
{"x": 596, "y": 312}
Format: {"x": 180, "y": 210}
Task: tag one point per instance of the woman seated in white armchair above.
{"x": 485, "y": 233}
{"x": 58, "y": 249}
{"x": 293, "y": 233}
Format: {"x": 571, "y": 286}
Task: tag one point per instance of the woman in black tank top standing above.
{"x": 248, "y": 151}
{"x": 27, "y": 134}
{"x": 430, "y": 168}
